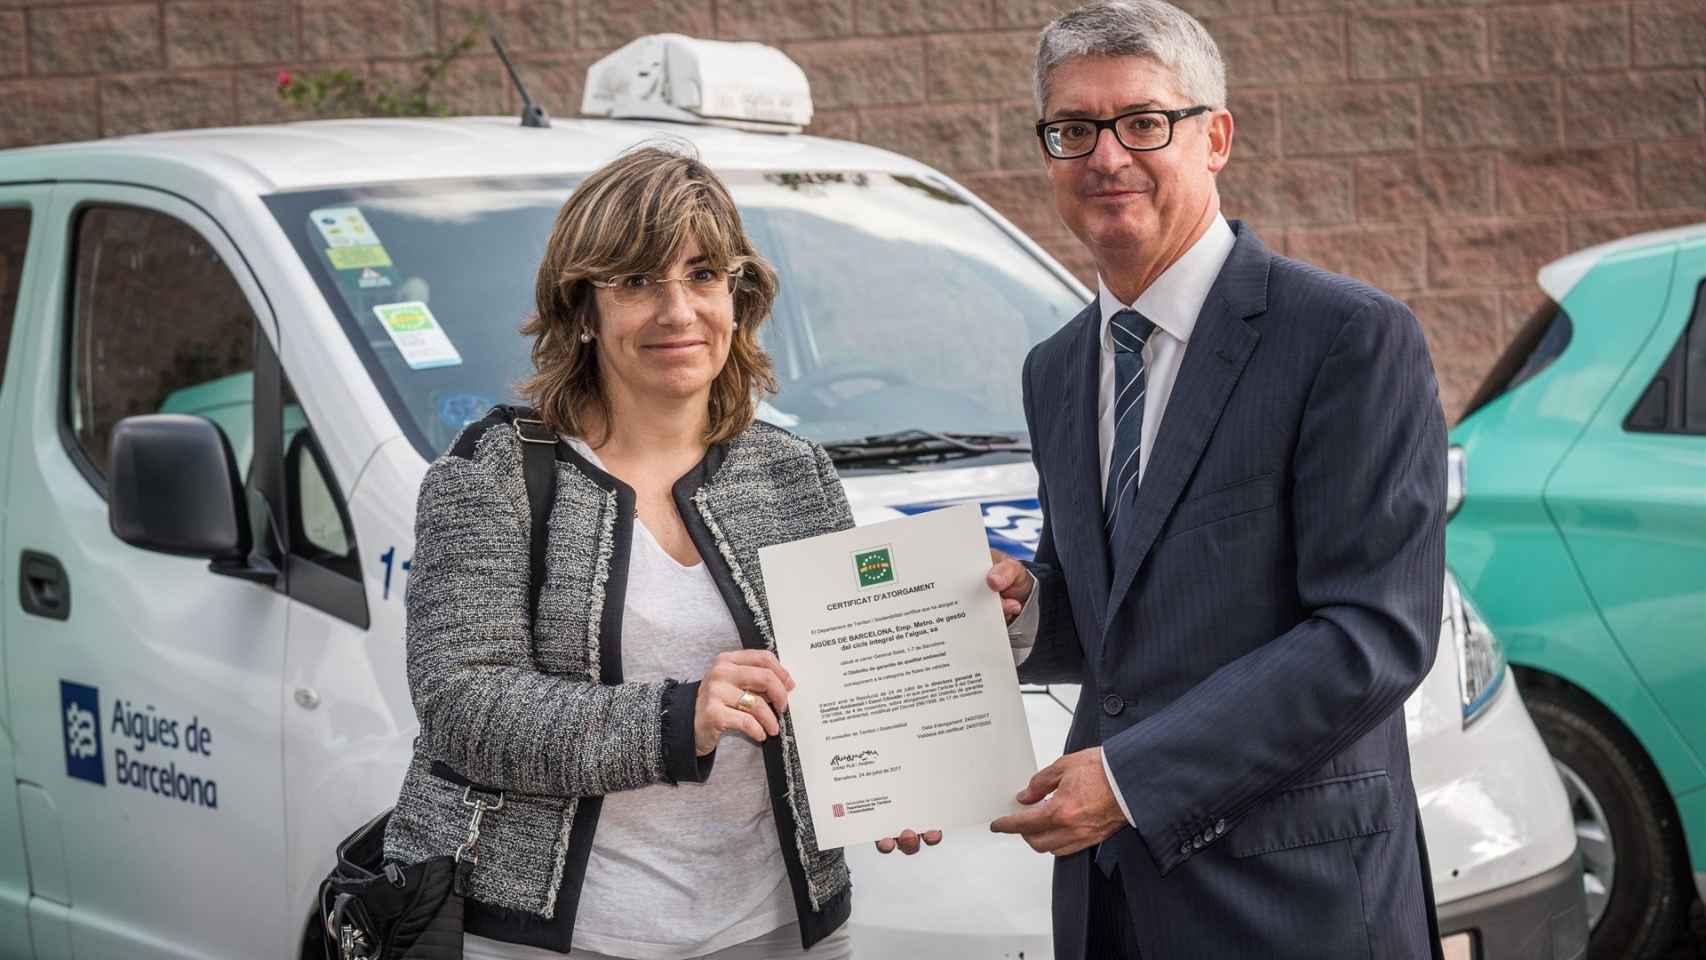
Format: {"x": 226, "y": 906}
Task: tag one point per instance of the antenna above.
{"x": 532, "y": 114}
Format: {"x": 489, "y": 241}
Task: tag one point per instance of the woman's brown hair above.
{"x": 634, "y": 215}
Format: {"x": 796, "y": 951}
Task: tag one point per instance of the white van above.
{"x": 186, "y": 731}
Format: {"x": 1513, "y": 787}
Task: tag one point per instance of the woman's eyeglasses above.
{"x": 701, "y": 283}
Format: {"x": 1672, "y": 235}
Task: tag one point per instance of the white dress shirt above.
{"x": 1172, "y": 302}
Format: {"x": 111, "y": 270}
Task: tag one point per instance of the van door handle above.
{"x": 43, "y": 587}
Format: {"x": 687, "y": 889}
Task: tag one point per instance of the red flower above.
{"x": 284, "y": 78}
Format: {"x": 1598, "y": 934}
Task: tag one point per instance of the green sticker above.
{"x": 874, "y": 566}
{"x": 405, "y": 317}
{"x": 417, "y": 335}
{"x": 358, "y": 256}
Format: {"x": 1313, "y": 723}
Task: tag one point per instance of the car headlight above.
{"x": 1456, "y": 479}
{"x": 1480, "y": 658}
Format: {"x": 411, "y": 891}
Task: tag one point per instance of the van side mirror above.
{"x": 173, "y": 487}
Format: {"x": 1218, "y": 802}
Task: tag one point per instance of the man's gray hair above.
{"x": 1154, "y": 29}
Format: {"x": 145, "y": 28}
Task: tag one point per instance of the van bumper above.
{"x": 1541, "y": 918}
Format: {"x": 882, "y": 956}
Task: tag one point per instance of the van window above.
{"x": 319, "y": 525}
{"x": 14, "y": 237}
{"x": 324, "y": 533}
{"x": 159, "y": 325}
{"x": 1542, "y": 339}
{"x": 1675, "y": 398}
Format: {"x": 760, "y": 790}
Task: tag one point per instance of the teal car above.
{"x": 1579, "y": 523}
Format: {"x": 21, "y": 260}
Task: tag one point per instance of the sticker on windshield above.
{"x": 418, "y": 337}
{"x": 367, "y": 255}
{"x": 344, "y": 227}
{"x": 352, "y": 243}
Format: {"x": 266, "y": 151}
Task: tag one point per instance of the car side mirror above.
{"x": 173, "y": 487}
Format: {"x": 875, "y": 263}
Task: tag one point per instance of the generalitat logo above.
{"x": 80, "y": 710}
{"x": 874, "y": 566}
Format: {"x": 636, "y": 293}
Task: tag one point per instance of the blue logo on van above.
{"x": 1014, "y": 526}
{"x": 80, "y": 711}
{"x": 457, "y": 410}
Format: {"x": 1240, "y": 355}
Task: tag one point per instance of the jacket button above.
{"x": 1219, "y": 827}
{"x": 1112, "y": 705}
{"x": 1185, "y": 850}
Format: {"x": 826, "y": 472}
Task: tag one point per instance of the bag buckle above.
{"x": 351, "y": 937}
{"x": 481, "y": 802}
{"x": 353, "y": 944}
{"x": 542, "y": 435}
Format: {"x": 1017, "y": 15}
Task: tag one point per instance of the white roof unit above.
{"x": 668, "y": 76}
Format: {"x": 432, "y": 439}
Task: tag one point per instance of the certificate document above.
{"x": 906, "y": 705}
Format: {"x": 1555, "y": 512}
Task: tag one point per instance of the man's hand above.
{"x": 908, "y": 841}
{"x": 1012, "y": 581}
{"x": 1081, "y": 814}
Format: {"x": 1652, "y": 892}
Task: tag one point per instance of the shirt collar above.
{"x": 1173, "y": 301}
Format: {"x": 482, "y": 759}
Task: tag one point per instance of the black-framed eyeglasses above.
{"x": 1076, "y": 137}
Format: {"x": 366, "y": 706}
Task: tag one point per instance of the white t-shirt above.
{"x": 684, "y": 870}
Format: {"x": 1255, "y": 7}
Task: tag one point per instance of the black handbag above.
{"x": 374, "y": 910}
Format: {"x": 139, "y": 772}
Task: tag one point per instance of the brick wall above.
{"x": 1441, "y": 149}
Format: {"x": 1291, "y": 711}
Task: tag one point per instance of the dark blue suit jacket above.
{"x": 1244, "y": 666}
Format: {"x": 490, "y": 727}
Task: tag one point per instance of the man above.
{"x": 1241, "y": 466}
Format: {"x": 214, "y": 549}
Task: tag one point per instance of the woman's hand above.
{"x": 733, "y": 674}
{"x": 908, "y": 841}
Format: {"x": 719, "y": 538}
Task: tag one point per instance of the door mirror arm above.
{"x": 262, "y": 563}
{"x": 254, "y": 569}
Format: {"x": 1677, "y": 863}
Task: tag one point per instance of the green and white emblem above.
{"x": 874, "y": 566}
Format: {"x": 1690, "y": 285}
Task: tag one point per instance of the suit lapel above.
{"x": 1214, "y": 359}
{"x": 1080, "y": 504}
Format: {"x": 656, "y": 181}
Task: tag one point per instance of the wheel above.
{"x": 1636, "y": 883}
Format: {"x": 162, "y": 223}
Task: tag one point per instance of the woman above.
{"x": 588, "y": 763}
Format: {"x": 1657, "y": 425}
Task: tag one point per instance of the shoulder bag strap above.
{"x": 539, "y": 467}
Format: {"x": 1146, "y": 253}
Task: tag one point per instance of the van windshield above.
{"x": 902, "y": 307}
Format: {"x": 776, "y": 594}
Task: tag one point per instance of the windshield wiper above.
{"x": 914, "y": 446}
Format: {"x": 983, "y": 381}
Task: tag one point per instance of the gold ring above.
{"x": 744, "y": 704}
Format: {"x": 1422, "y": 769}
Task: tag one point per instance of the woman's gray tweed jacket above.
{"x": 542, "y": 715}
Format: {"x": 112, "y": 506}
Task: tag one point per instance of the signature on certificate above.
{"x": 844, "y": 759}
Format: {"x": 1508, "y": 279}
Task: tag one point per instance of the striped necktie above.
{"x": 1130, "y": 330}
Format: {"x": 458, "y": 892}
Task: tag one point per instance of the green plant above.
{"x": 342, "y": 93}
